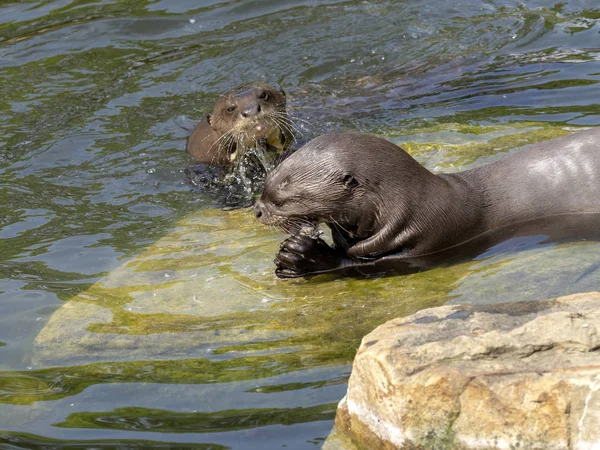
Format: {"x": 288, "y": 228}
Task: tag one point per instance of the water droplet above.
{"x": 151, "y": 170}
{"x": 192, "y": 21}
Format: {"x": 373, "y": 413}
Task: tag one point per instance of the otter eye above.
{"x": 278, "y": 203}
{"x": 264, "y": 95}
{"x": 231, "y": 108}
{"x": 349, "y": 181}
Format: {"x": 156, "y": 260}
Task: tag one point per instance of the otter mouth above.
{"x": 260, "y": 140}
{"x": 301, "y": 227}
{"x": 311, "y": 230}
{"x": 295, "y": 226}
{"x": 258, "y": 130}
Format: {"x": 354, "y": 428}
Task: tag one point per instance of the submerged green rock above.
{"x": 208, "y": 288}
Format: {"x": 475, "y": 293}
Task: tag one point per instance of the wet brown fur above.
{"x": 234, "y": 122}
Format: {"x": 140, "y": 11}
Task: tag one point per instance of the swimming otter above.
{"x": 251, "y": 114}
{"x": 385, "y": 209}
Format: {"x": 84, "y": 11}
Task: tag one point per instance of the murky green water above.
{"x": 133, "y": 314}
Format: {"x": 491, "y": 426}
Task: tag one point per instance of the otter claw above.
{"x": 286, "y": 273}
{"x": 295, "y": 246}
{"x": 287, "y": 258}
{"x": 285, "y": 269}
{"x": 300, "y": 256}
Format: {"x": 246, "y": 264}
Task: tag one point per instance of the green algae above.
{"x": 296, "y": 386}
{"x": 60, "y": 382}
{"x": 338, "y": 440}
{"x": 468, "y": 144}
{"x": 35, "y": 442}
{"x": 146, "y": 419}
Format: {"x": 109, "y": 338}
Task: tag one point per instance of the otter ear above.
{"x": 349, "y": 181}
{"x": 208, "y": 119}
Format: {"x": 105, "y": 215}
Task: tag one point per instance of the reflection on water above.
{"x": 135, "y": 314}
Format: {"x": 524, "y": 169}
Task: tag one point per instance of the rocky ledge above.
{"x": 520, "y": 375}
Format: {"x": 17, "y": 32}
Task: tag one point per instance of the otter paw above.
{"x": 300, "y": 256}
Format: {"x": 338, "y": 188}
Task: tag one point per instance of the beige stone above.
{"x": 522, "y": 375}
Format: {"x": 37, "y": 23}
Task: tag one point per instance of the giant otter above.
{"x": 251, "y": 114}
{"x": 243, "y": 139}
{"x": 386, "y": 211}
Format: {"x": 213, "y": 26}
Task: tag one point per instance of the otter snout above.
{"x": 250, "y": 109}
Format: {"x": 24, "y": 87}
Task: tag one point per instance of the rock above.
{"x": 164, "y": 302}
{"x": 521, "y": 375}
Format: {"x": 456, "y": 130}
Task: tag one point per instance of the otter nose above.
{"x": 250, "y": 110}
{"x": 258, "y": 209}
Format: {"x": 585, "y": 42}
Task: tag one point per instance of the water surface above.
{"x": 134, "y": 313}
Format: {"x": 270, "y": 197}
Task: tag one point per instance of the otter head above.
{"x": 250, "y": 113}
{"x": 365, "y": 188}
{"x": 320, "y": 183}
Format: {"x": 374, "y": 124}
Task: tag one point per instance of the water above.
{"x": 134, "y": 312}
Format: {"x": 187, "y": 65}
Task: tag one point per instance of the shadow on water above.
{"x": 137, "y": 313}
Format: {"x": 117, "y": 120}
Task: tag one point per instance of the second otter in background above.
{"x": 248, "y": 116}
